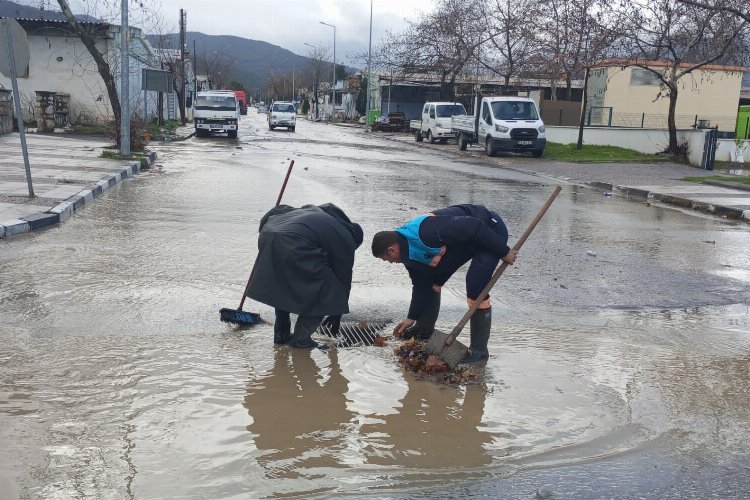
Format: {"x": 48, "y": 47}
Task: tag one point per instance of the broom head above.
{"x": 239, "y": 317}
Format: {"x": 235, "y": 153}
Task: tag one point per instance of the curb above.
{"x": 718, "y": 210}
{"x": 64, "y": 210}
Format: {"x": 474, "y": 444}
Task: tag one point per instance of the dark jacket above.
{"x": 305, "y": 260}
{"x": 464, "y": 231}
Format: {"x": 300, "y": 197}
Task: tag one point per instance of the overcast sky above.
{"x": 287, "y": 23}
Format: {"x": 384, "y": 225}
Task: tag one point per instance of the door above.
{"x": 485, "y": 123}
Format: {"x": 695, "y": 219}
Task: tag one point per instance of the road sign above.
{"x": 153, "y": 79}
{"x": 12, "y": 35}
{"x": 14, "y": 59}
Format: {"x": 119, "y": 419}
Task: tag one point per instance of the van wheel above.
{"x": 292, "y": 128}
{"x": 232, "y": 134}
{"x": 429, "y": 137}
{"x": 462, "y": 142}
{"x": 418, "y": 136}
{"x": 537, "y": 153}
{"x": 270, "y": 127}
{"x": 489, "y": 147}
{"x": 199, "y": 132}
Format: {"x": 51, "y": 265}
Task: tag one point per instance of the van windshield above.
{"x": 283, "y": 108}
{"x": 216, "y": 102}
{"x": 514, "y": 110}
{"x": 446, "y": 111}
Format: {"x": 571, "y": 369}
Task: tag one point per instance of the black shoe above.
{"x": 308, "y": 344}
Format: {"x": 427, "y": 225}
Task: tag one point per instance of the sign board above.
{"x": 13, "y": 35}
{"x": 158, "y": 81}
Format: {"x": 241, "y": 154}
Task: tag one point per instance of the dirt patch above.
{"x": 412, "y": 356}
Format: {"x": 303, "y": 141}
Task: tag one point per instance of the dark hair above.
{"x": 381, "y": 241}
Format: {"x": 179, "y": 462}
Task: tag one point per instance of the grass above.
{"x": 741, "y": 179}
{"x": 595, "y": 154}
{"x": 84, "y": 129}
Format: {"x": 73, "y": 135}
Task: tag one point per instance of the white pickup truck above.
{"x": 216, "y": 111}
{"x": 436, "y": 121}
{"x": 507, "y": 123}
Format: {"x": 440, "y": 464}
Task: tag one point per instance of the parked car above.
{"x": 436, "y": 121}
{"x": 394, "y": 122}
{"x": 507, "y": 123}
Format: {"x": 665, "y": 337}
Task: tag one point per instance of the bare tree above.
{"x": 740, "y": 9}
{"x": 315, "y": 73}
{"x": 440, "y": 43}
{"x": 86, "y": 32}
{"x": 216, "y": 67}
{"x": 509, "y": 36}
{"x": 683, "y": 37}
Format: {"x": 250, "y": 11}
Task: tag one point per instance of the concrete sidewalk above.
{"x": 67, "y": 173}
{"x": 658, "y": 181}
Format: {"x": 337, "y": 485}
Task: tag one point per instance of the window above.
{"x": 446, "y": 111}
{"x": 486, "y": 113}
{"x": 514, "y": 110}
{"x": 640, "y": 76}
{"x": 215, "y": 102}
{"x": 283, "y": 108}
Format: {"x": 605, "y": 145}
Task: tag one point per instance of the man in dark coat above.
{"x": 305, "y": 261}
{"x": 432, "y": 247}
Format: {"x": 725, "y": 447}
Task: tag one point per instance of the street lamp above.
{"x": 333, "y": 89}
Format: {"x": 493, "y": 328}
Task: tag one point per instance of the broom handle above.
{"x": 500, "y": 270}
{"x": 278, "y": 202}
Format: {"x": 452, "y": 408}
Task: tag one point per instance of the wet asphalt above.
{"x": 619, "y": 344}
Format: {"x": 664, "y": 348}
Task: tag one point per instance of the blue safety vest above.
{"x": 417, "y": 250}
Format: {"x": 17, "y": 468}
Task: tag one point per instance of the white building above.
{"x": 61, "y": 64}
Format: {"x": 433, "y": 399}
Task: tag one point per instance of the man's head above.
{"x": 385, "y": 246}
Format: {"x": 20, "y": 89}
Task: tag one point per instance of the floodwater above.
{"x": 620, "y": 343}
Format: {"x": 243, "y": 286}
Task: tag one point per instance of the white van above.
{"x": 282, "y": 114}
{"x": 436, "y": 121}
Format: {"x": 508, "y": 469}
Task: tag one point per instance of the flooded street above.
{"x": 620, "y": 346}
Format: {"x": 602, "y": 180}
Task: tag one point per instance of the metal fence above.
{"x": 604, "y": 116}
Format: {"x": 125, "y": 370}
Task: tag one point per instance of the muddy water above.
{"x": 622, "y": 374}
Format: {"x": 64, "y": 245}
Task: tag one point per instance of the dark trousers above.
{"x": 303, "y": 328}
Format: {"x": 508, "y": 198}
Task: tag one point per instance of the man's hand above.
{"x": 402, "y": 326}
{"x": 511, "y": 257}
{"x": 331, "y": 324}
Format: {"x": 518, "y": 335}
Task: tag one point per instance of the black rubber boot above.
{"x": 479, "y": 325}
{"x": 425, "y": 325}
{"x": 282, "y": 328}
{"x": 303, "y": 330}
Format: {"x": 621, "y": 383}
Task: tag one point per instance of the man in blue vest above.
{"x": 432, "y": 247}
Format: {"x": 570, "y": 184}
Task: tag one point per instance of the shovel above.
{"x": 445, "y": 345}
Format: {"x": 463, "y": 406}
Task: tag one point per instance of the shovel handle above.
{"x": 278, "y": 202}
{"x": 500, "y": 270}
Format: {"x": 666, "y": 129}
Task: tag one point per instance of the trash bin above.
{"x": 374, "y": 115}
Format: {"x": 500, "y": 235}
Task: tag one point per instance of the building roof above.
{"x": 50, "y": 26}
{"x": 665, "y": 64}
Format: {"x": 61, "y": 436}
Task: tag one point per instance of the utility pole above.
{"x": 333, "y": 88}
{"x": 369, "y": 60}
{"x": 124, "y": 83}
{"x": 182, "y": 62}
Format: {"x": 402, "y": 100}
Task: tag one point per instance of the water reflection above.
{"x": 299, "y": 414}
{"x": 436, "y": 427}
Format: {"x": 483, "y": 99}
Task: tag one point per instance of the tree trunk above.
{"x": 584, "y": 103}
{"x": 569, "y": 87}
{"x": 101, "y": 65}
{"x": 671, "y": 122}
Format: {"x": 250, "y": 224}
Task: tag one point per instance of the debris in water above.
{"x": 380, "y": 341}
{"x": 709, "y": 241}
{"x": 591, "y": 253}
{"x": 411, "y": 355}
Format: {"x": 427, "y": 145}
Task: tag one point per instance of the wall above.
{"x": 650, "y": 141}
{"x": 75, "y": 74}
{"x": 726, "y": 150}
{"x": 6, "y": 111}
{"x": 710, "y": 94}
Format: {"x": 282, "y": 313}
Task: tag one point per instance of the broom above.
{"x": 239, "y": 316}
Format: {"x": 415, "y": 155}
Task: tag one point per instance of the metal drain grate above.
{"x": 354, "y": 333}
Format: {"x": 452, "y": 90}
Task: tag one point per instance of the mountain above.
{"x": 251, "y": 62}
{"x": 12, "y": 9}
